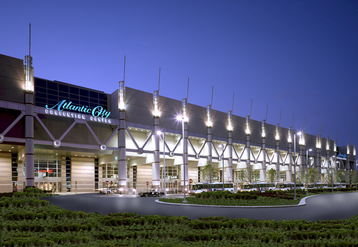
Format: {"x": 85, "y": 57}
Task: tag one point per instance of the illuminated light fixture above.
{"x": 121, "y": 96}
{"x": 29, "y": 74}
{"x": 301, "y": 141}
{"x": 327, "y": 144}
{"x": 263, "y": 129}
{"x": 335, "y": 146}
{"x": 156, "y": 111}
{"x": 229, "y": 121}
{"x": 247, "y": 130}
{"x": 348, "y": 147}
{"x": 318, "y": 142}
{"x": 184, "y": 103}
{"x": 209, "y": 123}
{"x": 289, "y": 136}
{"x": 277, "y": 136}
{"x": 354, "y": 150}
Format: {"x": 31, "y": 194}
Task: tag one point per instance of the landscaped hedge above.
{"x": 226, "y": 195}
{"x": 49, "y": 225}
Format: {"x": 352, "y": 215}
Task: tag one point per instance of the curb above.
{"x": 302, "y": 203}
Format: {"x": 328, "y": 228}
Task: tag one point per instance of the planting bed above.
{"x": 268, "y": 198}
{"x": 27, "y": 221}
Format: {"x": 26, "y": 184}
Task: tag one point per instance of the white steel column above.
{"x": 318, "y": 155}
{"x": 347, "y": 166}
{"x": 156, "y": 163}
{"x": 228, "y": 172}
{"x": 327, "y": 155}
{"x": 289, "y": 172}
{"x": 209, "y": 143}
{"x": 263, "y": 166}
{"x": 301, "y": 167}
{"x": 248, "y": 148}
{"x": 277, "y": 137}
{"x": 122, "y": 164}
{"x": 184, "y": 166}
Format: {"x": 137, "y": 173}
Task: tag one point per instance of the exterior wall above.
{"x": 193, "y": 173}
{"x": 11, "y": 78}
{"x": 63, "y": 175}
{"x": 5, "y": 173}
{"x": 82, "y": 171}
{"x": 144, "y": 175}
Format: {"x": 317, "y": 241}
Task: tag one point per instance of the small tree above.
{"x": 313, "y": 175}
{"x": 247, "y": 174}
{"x": 328, "y": 178}
{"x": 209, "y": 172}
{"x": 353, "y": 177}
{"x": 255, "y": 175}
{"x": 241, "y": 176}
{"x": 271, "y": 175}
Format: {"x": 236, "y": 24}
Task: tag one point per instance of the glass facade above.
{"x": 51, "y": 92}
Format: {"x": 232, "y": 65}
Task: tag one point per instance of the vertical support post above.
{"x": 289, "y": 172}
{"x": 122, "y": 164}
{"x": 307, "y": 171}
{"x": 294, "y": 165}
{"x": 156, "y": 163}
{"x": 263, "y": 150}
{"x": 184, "y": 169}
{"x": 248, "y": 147}
{"x": 165, "y": 190}
{"x": 229, "y": 168}
{"x": 277, "y": 138}
{"x": 209, "y": 143}
{"x": 29, "y": 139}
{"x": 29, "y": 117}
{"x": 228, "y": 172}
{"x": 318, "y": 156}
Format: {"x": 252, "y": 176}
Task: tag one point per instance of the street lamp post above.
{"x": 162, "y": 135}
{"x": 309, "y": 150}
{"x": 181, "y": 118}
{"x": 332, "y": 171}
{"x": 222, "y": 157}
{"x": 294, "y": 164}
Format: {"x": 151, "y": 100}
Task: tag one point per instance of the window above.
{"x": 283, "y": 176}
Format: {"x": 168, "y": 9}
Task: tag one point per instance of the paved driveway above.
{"x": 323, "y": 207}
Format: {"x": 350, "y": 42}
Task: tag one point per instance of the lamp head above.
{"x": 310, "y": 149}
{"x": 159, "y": 133}
{"x": 299, "y": 133}
{"x": 179, "y": 117}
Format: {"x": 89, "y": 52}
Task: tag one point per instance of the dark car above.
{"x": 151, "y": 193}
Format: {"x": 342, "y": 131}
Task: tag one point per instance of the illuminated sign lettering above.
{"x": 78, "y": 116}
{"x": 342, "y": 155}
{"x": 97, "y": 112}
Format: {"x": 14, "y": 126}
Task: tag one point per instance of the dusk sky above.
{"x": 298, "y": 56}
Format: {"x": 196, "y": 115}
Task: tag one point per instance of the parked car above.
{"x": 151, "y": 193}
{"x": 110, "y": 190}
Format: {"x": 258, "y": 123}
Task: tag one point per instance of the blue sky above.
{"x": 300, "y": 57}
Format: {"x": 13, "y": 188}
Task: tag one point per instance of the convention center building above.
{"x": 65, "y": 138}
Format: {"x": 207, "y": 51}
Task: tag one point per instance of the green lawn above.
{"x": 27, "y": 221}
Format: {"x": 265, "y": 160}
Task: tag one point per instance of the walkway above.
{"x": 322, "y": 207}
